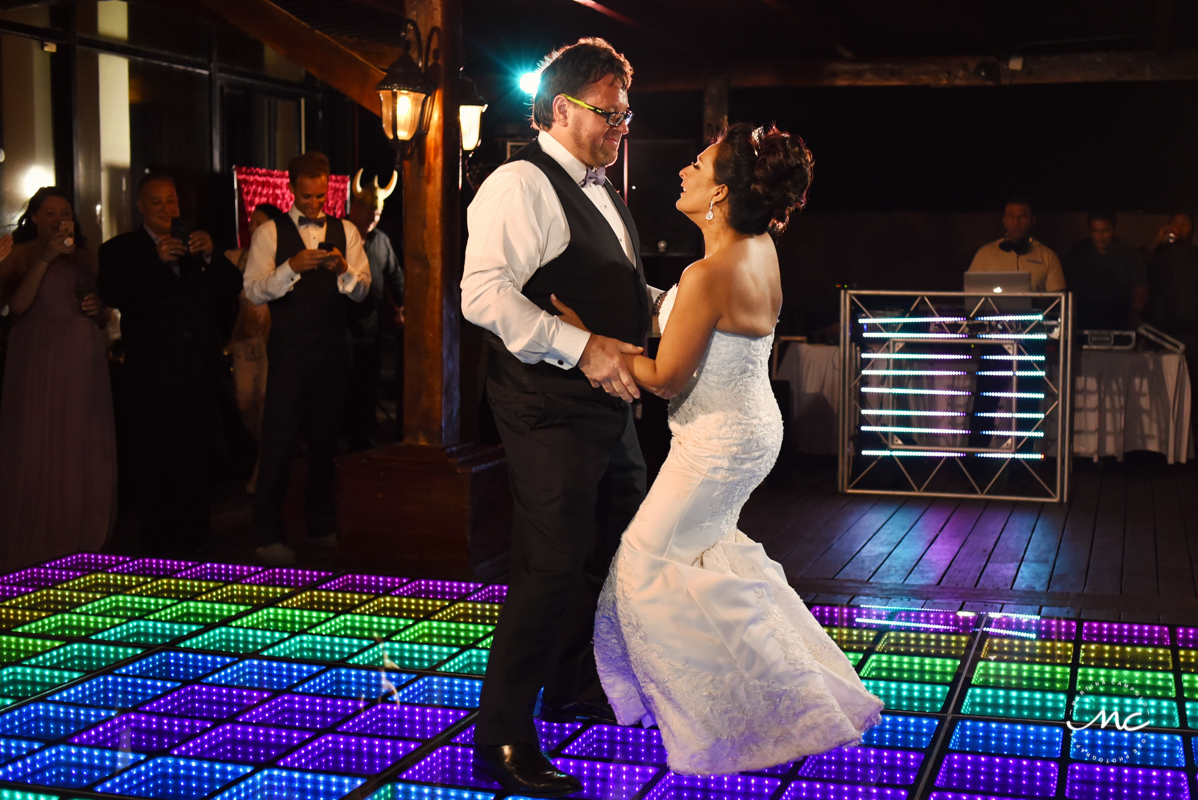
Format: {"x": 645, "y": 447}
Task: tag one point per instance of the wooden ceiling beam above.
{"x": 951, "y": 71}
{"x": 326, "y": 58}
{"x": 804, "y": 18}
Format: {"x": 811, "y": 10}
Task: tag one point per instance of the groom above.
{"x": 547, "y": 224}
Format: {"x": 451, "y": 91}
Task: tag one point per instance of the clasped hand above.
{"x": 602, "y": 360}
{"x": 306, "y": 260}
{"x": 170, "y": 248}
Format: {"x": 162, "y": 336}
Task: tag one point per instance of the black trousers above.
{"x": 362, "y": 393}
{"x": 170, "y": 445}
{"x": 577, "y": 480}
{"x": 304, "y": 396}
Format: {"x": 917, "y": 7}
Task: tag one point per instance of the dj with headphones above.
{"x": 1017, "y": 251}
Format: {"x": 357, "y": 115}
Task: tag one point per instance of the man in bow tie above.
{"x": 303, "y": 268}
{"x": 547, "y": 225}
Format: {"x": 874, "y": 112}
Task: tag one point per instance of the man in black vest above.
{"x": 177, "y": 301}
{"x": 548, "y": 224}
{"x": 303, "y": 267}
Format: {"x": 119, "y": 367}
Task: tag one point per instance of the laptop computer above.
{"x": 994, "y": 285}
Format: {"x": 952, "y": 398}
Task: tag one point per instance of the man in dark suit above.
{"x": 177, "y": 301}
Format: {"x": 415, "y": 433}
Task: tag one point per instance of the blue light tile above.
{"x": 67, "y": 767}
{"x": 12, "y": 749}
{"x": 414, "y": 791}
{"x": 175, "y": 666}
{"x": 615, "y": 743}
{"x": 713, "y": 787}
{"x": 47, "y": 721}
{"x": 894, "y": 731}
{"x": 438, "y": 691}
{"x": 174, "y": 779}
{"x": 369, "y": 684}
{"x": 261, "y": 674}
{"x": 114, "y": 691}
{"x": 864, "y": 765}
{"x": 1138, "y": 748}
{"x": 278, "y": 784}
{"x": 403, "y": 721}
{"x": 1007, "y": 739}
{"x": 199, "y": 701}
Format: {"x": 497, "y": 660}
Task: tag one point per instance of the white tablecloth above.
{"x": 1122, "y": 401}
{"x": 1131, "y": 401}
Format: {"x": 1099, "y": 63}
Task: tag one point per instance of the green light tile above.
{"x": 1187, "y": 660}
{"x": 282, "y": 619}
{"x": 1110, "y": 656}
{"x": 1126, "y": 682}
{"x": 401, "y": 655}
{"x": 178, "y": 588}
{"x": 105, "y": 583}
{"x": 473, "y": 613}
{"x": 143, "y": 631}
{"x": 1037, "y": 677}
{"x": 410, "y": 607}
{"x": 51, "y": 600}
{"x": 84, "y": 657}
{"x": 245, "y": 593}
{"x": 458, "y": 634}
{"x": 471, "y": 662}
{"x": 1189, "y": 685}
{"x": 12, "y": 617}
{"x": 1158, "y": 713}
{"x": 233, "y": 640}
{"x": 1015, "y": 703}
{"x": 486, "y": 644}
{"x": 926, "y": 697}
{"x": 318, "y": 648}
{"x": 912, "y": 643}
{"x": 325, "y": 601}
{"x": 852, "y": 638}
{"x": 70, "y": 625}
{"x": 854, "y": 658}
{"x": 20, "y": 682}
{"x": 1025, "y": 650}
{"x": 1192, "y": 715}
{"x": 917, "y": 669}
{"x": 198, "y": 613}
{"x": 126, "y": 606}
{"x": 362, "y": 626}
{"x": 19, "y": 648}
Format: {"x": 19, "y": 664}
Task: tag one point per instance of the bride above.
{"x": 697, "y": 630}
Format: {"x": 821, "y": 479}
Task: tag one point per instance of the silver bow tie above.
{"x": 595, "y": 176}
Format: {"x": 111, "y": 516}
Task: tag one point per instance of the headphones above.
{"x": 1019, "y": 248}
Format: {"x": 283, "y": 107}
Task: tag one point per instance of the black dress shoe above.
{"x": 524, "y": 768}
{"x": 578, "y": 709}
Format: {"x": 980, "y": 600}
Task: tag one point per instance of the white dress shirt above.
{"x": 264, "y": 282}
{"x": 517, "y": 225}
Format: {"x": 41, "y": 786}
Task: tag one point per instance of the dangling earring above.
{"x": 710, "y": 212}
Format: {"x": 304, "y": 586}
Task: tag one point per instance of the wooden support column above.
{"x": 431, "y": 505}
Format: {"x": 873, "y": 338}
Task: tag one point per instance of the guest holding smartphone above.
{"x": 57, "y": 441}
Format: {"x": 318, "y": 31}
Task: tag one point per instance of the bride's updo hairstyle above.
{"x": 767, "y": 172}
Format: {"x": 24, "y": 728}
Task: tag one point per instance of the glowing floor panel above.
{"x": 180, "y": 680}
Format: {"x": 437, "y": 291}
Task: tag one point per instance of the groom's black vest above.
{"x": 311, "y": 317}
{"x": 593, "y": 276}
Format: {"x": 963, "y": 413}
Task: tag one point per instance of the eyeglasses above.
{"x": 614, "y": 119}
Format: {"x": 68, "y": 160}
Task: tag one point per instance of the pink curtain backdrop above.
{"x": 256, "y": 185}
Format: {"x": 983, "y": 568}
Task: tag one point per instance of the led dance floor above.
{"x": 183, "y": 681}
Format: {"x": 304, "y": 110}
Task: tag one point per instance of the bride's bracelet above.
{"x": 657, "y": 303}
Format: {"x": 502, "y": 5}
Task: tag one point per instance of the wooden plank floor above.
{"x": 1124, "y": 547}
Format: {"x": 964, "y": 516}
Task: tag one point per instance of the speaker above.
{"x": 653, "y": 186}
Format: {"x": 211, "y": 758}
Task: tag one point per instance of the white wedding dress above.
{"x": 697, "y": 630}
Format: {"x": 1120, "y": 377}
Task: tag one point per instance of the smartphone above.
{"x": 328, "y": 246}
{"x": 179, "y": 231}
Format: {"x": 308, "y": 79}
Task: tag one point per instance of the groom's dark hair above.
{"x": 570, "y": 69}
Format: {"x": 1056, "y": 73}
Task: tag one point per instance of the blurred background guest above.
{"x": 1017, "y": 251}
{"x": 1107, "y": 277}
{"x": 247, "y": 347}
{"x": 57, "y": 440}
{"x": 1173, "y": 277}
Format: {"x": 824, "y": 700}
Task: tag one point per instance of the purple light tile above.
{"x": 201, "y": 701}
{"x": 615, "y": 743}
{"x": 1126, "y": 633}
{"x": 438, "y": 691}
{"x": 302, "y": 711}
{"x": 404, "y": 722}
{"x": 939, "y": 621}
{"x": 353, "y": 755}
{"x": 495, "y": 593}
{"x": 285, "y": 576}
{"x": 227, "y": 573}
{"x": 174, "y": 779}
{"x": 811, "y": 790}
{"x": 39, "y": 577}
{"x": 366, "y": 584}
{"x": 437, "y": 590}
{"x": 552, "y": 733}
{"x": 1187, "y": 637}
{"x": 141, "y": 733}
{"x": 277, "y": 784}
{"x": 1022, "y": 776}
{"x": 848, "y": 616}
{"x": 450, "y": 766}
{"x": 86, "y": 561}
{"x": 864, "y": 765}
{"x": 156, "y": 567}
{"x": 1017, "y": 627}
{"x": 713, "y": 787}
{"x": 601, "y": 781}
{"x": 7, "y": 591}
{"x": 248, "y": 744}
{"x": 1093, "y": 782}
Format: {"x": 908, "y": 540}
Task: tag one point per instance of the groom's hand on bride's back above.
{"x": 602, "y": 361}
